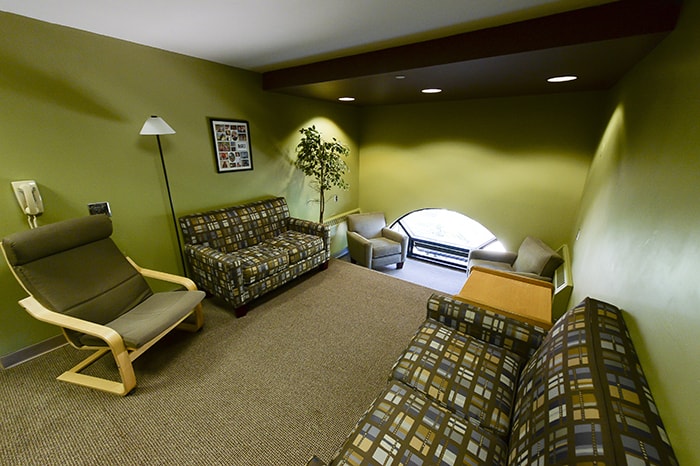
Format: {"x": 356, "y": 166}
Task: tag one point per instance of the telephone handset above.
{"x": 29, "y": 199}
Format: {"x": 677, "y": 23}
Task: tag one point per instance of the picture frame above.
{"x": 232, "y": 148}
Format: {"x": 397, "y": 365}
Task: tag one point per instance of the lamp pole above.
{"x": 157, "y": 126}
{"x": 172, "y": 208}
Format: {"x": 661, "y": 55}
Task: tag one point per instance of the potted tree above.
{"x": 322, "y": 160}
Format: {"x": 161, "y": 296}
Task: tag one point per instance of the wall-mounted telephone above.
{"x": 29, "y": 199}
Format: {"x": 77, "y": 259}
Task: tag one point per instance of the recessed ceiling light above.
{"x": 432, "y": 90}
{"x": 400, "y": 76}
{"x": 346, "y": 99}
{"x": 562, "y": 79}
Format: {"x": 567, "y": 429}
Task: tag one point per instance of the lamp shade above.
{"x": 156, "y": 125}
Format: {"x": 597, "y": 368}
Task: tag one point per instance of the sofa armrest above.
{"x": 496, "y": 256}
{"x": 307, "y": 226}
{"x": 312, "y": 228}
{"x": 519, "y": 337}
{"x": 217, "y": 272}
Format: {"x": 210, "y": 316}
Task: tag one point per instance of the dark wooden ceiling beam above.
{"x": 614, "y": 20}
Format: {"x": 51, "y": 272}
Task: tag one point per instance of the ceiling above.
{"x": 326, "y": 49}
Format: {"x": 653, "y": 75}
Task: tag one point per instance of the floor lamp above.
{"x": 156, "y": 126}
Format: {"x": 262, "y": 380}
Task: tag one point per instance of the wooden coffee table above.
{"x": 523, "y": 298}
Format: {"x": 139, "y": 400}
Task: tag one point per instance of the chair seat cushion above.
{"x": 404, "y": 427}
{"x": 150, "y": 318}
{"x": 503, "y": 267}
{"x": 298, "y": 245}
{"x": 383, "y": 247}
{"x": 261, "y": 261}
{"x": 494, "y": 265}
{"x": 472, "y": 378}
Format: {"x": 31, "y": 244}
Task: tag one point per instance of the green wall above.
{"x": 639, "y": 245}
{"x": 73, "y": 104}
{"x": 516, "y": 165}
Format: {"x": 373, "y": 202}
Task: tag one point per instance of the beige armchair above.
{"x": 372, "y": 244}
{"x": 78, "y": 280}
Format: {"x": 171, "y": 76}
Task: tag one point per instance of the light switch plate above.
{"x": 96, "y": 208}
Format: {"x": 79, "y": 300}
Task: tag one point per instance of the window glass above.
{"x": 447, "y": 227}
{"x": 444, "y": 236}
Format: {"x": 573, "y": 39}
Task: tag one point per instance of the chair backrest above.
{"x": 73, "y": 267}
{"x": 535, "y": 256}
{"x": 368, "y": 225}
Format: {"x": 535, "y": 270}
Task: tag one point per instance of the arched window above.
{"x": 444, "y": 236}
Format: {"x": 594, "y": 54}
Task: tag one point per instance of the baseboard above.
{"x": 30, "y": 352}
{"x": 341, "y": 253}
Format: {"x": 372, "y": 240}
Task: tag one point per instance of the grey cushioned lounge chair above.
{"x": 372, "y": 244}
{"x": 534, "y": 259}
{"x": 78, "y": 280}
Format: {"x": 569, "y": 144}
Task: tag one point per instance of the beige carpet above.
{"x": 285, "y": 382}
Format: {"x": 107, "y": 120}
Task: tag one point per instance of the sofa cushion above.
{"x": 472, "y": 378}
{"x": 404, "y": 427}
{"x": 233, "y": 228}
{"x": 258, "y": 262}
{"x": 263, "y": 220}
{"x": 583, "y": 398}
{"x": 299, "y": 246}
{"x": 534, "y": 256}
{"x": 218, "y": 229}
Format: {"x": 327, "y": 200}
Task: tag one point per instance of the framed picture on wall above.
{"x": 231, "y": 145}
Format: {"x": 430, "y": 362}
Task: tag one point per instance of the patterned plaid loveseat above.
{"x": 476, "y": 388}
{"x": 241, "y": 252}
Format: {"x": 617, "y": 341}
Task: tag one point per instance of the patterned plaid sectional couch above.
{"x": 477, "y": 388}
{"x": 242, "y": 252}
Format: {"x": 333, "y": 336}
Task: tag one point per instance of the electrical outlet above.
{"x": 335, "y": 198}
{"x": 96, "y": 208}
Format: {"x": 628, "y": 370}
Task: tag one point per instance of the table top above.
{"x": 524, "y": 298}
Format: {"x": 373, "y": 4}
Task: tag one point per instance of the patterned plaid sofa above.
{"x": 476, "y": 388}
{"x": 241, "y": 252}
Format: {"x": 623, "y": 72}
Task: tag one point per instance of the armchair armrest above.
{"x": 399, "y": 238}
{"x": 394, "y": 235}
{"x": 104, "y": 333}
{"x": 495, "y": 256}
{"x": 520, "y": 337}
{"x": 359, "y": 247}
{"x": 164, "y": 276}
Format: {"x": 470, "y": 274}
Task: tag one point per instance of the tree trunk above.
{"x": 321, "y": 204}
{"x": 321, "y": 190}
